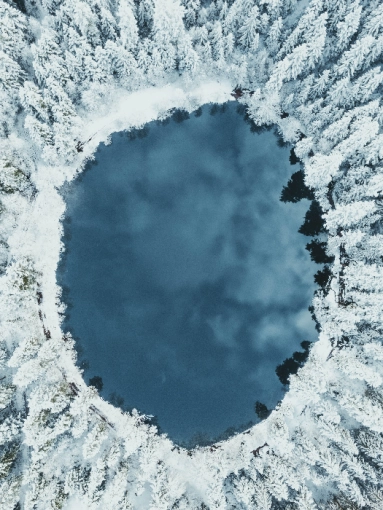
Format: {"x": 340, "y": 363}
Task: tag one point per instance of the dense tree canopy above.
{"x": 72, "y": 72}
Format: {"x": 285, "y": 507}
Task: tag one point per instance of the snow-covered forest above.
{"x": 75, "y": 71}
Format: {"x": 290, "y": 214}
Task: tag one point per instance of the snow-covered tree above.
{"x": 73, "y": 69}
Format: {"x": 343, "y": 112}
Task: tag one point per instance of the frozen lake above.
{"x": 186, "y": 278}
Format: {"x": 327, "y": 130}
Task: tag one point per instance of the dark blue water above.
{"x": 188, "y": 281}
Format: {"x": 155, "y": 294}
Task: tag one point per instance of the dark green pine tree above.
{"x": 291, "y": 365}
{"x": 296, "y": 189}
{"x": 313, "y": 224}
{"x": 317, "y": 250}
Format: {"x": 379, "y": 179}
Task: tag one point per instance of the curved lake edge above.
{"x": 141, "y": 133}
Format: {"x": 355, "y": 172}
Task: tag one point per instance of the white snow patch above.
{"x": 76, "y": 504}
